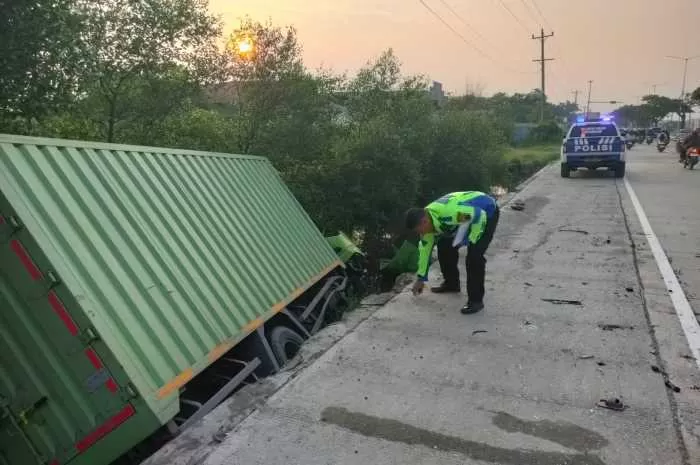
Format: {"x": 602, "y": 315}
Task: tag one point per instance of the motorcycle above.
{"x": 650, "y": 140}
{"x": 691, "y": 158}
{"x": 661, "y": 146}
{"x": 629, "y": 143}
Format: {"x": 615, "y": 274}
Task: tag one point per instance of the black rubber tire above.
{"x": 565, "y": 170}
{"x": 620, "y": 170}
{"x": 285, "y": 343}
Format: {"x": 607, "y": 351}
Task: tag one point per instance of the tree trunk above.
{"x": 111, "y": 120}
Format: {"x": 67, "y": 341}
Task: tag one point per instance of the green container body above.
{"x": 124, "y": 272}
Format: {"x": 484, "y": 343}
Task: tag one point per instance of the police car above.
{"x": 593, "y": 143}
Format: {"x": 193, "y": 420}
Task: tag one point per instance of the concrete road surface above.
{"x": 577, "y": 311}
{"x": 670, "y": 196}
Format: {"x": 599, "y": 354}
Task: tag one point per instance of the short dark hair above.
{"x": 414, "y": 217}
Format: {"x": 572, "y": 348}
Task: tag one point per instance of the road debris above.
{"x": 477, "y": 331}
{"x": 629, "y": 289}
{"x": 612, "y": 404}
{"x": 671, "y": 386}
{"x": 517, "y": 205}
{"x": 667, "y": 381}
{"x": 563, "y": 302}
{"x": 586, "y": 357}
{"x": 580, "y": 231}
{"x": 612, "y": 327}
{"x": 601, "y": 364}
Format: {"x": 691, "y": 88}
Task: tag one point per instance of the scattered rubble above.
{"x": 612, "y": 404}
{"x": 563, "y": 302}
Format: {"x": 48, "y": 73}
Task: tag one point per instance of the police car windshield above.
{"x": 593, "y": 130}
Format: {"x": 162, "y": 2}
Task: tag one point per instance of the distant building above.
{"x": 437, "y": 94}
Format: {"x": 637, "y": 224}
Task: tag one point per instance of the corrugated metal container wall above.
{"x": 171, "y": 254}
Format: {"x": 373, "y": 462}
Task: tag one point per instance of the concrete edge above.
{"x": 671, "y": 347}
{"x": 517, "y": 192}
{"x": 194, "y": 445}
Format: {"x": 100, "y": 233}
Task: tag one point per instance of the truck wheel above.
{"x": 285, "y": 343}
{"x": 620, "y": 170}
{"x": 565, "y": 170}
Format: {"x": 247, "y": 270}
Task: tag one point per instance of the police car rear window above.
{"x": 593, "y": 130}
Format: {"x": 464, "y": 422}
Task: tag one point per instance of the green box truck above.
{"x": 128, "y": 278}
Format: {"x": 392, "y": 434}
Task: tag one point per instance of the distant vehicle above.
{"x": 682, "y": 134}
{"x": 591, "y": 144}
{"x": 691, "y": 158}
{"x": 628, "y": 137}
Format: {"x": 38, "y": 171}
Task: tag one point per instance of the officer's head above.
{"x": 418, "y": 221}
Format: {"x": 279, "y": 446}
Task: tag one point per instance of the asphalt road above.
{"x": 576, "y": 311}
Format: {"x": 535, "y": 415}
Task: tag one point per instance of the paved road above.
{"x": 671, "y": 198}
{"x": 419, "y": 383}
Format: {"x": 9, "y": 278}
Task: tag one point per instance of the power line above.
{"x": 515, "y": 17}
{"x": 539, "y": 11}
{"x": 530, "y": 12}
{"x": 470, "y": 26}
{"x": 556, "y": 46}
{"x": 466, "y": 23}
{"x": 466, "y": 41}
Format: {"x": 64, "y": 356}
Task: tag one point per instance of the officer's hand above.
{"x": 418, "y": 287}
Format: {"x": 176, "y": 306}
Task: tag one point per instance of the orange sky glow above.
{"x": 619, "y": 44}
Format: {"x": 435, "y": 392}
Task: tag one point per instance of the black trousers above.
{"x": 475, "y": 262}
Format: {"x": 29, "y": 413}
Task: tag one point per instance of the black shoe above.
{"x": 472, "y": 307}
{"x": 446, "y": 288}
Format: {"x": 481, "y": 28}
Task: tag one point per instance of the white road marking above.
{"x": 689, "y": 321}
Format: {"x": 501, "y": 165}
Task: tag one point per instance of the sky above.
{"x": 618, "y": 44}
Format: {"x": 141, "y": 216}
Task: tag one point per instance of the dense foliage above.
{"x": 652, "y": 109}
{"x": 356, "y": 151}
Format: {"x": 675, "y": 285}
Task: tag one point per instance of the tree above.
{"x": 659, "y": 106}
{"x": 564, "y": 110}
{"x": 40, "y": 56}
{"x": 135, "y": 44}
{"x": 695, "y": 96}
{"x": 267, "y": 86}
{"x": 633, "y": 115}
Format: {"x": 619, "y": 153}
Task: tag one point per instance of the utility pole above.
{"x": 681, "y": 110}
{"x": 588, "y": 104}
{"x": 542, "y": 61}
{"x": 575, "y": 92}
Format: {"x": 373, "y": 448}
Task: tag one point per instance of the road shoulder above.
{"x": 672, "y": 352}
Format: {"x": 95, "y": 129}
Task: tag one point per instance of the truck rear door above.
{"x": 57, "y": 397}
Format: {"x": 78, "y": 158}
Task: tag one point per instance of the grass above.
{"x": 523, "y": 162}
{"x": 537, "y": 153}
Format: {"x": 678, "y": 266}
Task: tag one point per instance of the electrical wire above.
{"x": 561, "y": 58}
{"x": 539, "y": 11}
{"x": 466, "y": 23}
{"x": 467, "y": 41}
{"x": 531, "y": 13}
{"x": 470, "y": 27}
{"x": 515, "y": 17}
